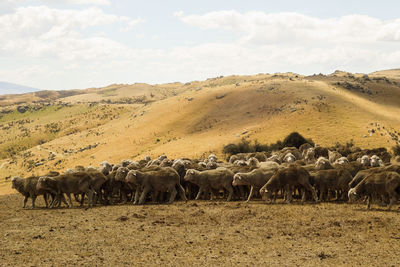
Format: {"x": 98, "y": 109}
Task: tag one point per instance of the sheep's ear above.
{"x": 191, "y": 171}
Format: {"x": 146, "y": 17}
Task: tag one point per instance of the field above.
{"x": 199, "y": 233}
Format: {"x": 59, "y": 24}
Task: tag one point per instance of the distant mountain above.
{"x": 12, "y": 88}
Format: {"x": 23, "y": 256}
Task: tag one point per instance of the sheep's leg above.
{"x": 173, "y": 195}
{"x": 289, "y": 194}
{"x": 90, "y": 194}
{"x": 250, "y": 194}
{"x": 45, "y": 196}
{"x": 230, "y": 189}
{"x": 368, "y": 202}
{"x": 303, "y": 195}
{"x": 143, "y": 195}
{"x": 199, "y": 193}
{"x": 25, "y": 200}
{"x": 137, "y": 196}
{"x": 70, "y": 200}
{"x": 33, "y": 201}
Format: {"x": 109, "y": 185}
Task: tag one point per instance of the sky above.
{"x": 70, "y": 44}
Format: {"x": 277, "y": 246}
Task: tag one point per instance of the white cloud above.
{"x": 41, "y": 31}
{"x": 64, "y": 46}
{"x": 265, "y": 28}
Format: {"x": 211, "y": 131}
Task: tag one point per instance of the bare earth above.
{"x": 199, "y": 233}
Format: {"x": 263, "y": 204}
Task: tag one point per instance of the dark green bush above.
{"x": 244, "y": 146}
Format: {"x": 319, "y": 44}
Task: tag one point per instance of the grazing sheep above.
{"x": 288, "y": 179}
{"x": 72, "y": 183}
{"x": 377, "y": 184}
{"x": 333, "y": 179}
{"x": 256, "y": 179}
{"x": 27, "y": 187}
{"x": 162, "y": 180}
{"x": 220, "y": 178}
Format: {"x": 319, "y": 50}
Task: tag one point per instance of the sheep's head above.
{"x": 14, "y": 182}
{"x": 131, "y": 177}
{"x": 352, "y": 194}
{"x": 365, "y": 160}
{"x": 322, "y": 164}
{"x": 237, "y": 179}
{"x": 121, "y": 173}
{"x": 190, "y": 174}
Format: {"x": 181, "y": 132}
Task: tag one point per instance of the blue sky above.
{"x": 66, "y": 44}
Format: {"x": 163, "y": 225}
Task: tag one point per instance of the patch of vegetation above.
{"x": 244, "y": 146}
{"x": 345, "y": 149}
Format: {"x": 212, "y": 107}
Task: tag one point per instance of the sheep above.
{"x": 289, "y": 158}
{"x": 27, "y": 187}
{"x": 220, "y": 178}
{"x": 381, "y": 184}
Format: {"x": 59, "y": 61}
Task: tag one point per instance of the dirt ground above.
{"x": 198, "y": 233}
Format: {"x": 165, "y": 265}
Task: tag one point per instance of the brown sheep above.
{"x": 334, "y": 179}
{"x": 256, "y": 179}
{"x": 161, "y": 180}
{"x": 288, "y": 179}
{"x": 27, "y": 187}
{"x": 71, "y": 183}
{"x": 381, "y": 184}
{"x": 220, "y": 178}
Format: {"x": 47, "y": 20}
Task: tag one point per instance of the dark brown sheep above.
{"x": 335, "y": 179}
{"x": 27, "y": 187}
{"x": 377, "y": 184}
{"x": 288, "y": 179}
{"x": 70, "y": 183}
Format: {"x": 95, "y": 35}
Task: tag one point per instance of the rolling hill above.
{"x": 61, "y": 129}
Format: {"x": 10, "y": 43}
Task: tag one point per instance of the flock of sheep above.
{"x": 308, "y": 172}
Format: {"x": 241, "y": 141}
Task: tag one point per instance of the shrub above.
{"x": 244, "y": 146}
{"x": 295, "y": 139}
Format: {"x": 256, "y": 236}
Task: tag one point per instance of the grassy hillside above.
{"x": 84, "y": 127}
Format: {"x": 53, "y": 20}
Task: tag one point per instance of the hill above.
{"x": 61, "y": 129}
{"x": 12, "y": 88}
